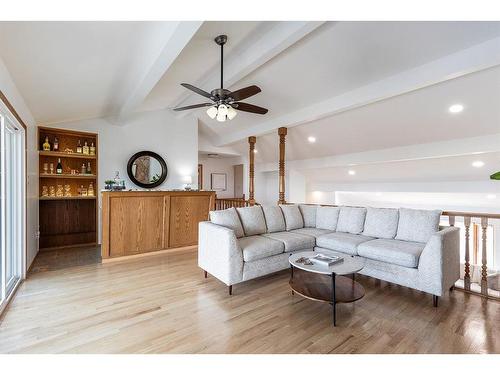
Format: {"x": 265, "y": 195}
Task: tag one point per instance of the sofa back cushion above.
{"x": 381, "y": 222}
{"x": 351, "y": 220}
{"x": 228, "y": 218}
{"x": 308, "y": 212}
{"x": 274, "y": 219}
{"x": 293, "y": 217}
{"x": 417, "y": 225}
{"x": 327, "y": 217}
{"x": 252, "y": 219}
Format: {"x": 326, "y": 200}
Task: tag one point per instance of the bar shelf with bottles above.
{"x": 68, "y": 179}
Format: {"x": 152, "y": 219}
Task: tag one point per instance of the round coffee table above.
{"x": 326, "y": 283}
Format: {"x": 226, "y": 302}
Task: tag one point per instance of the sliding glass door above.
{"x": 12, "y": 189}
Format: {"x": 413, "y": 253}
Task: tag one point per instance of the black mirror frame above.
{"x": 153, "y": 155}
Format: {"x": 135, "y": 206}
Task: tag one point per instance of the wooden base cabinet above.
{"x": 137, "y": 222}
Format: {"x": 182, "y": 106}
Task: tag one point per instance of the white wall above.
{"x": 267, "y": 187}
{"x": 220, "y": 165}
{"x": 158, "y": 131}
{"x": 10, "y": 91}
{"x": 476, "y": 196}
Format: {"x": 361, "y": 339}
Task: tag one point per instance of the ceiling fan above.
{"x": 224, "y": 102}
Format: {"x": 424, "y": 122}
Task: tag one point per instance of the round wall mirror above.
{"x": 147, "y": 169}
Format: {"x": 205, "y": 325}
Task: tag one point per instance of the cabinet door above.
{"x": 136, "y": 225}
{"x": 185, "y": 214}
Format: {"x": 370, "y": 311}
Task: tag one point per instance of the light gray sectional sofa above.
{"x": 402, "y": 246}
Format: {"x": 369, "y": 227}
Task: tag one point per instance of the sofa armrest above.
{"x": 440, "y": 260}
{"x": 219, "y": 252}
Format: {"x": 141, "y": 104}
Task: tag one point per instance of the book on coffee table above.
{"x": 326, "y": 260}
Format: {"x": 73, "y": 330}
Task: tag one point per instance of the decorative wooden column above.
{"x": 467, "y": 253}
{"x": 282, "y": 133}
{"x": 484, "y": 268}
{"x": 251, "y": 170}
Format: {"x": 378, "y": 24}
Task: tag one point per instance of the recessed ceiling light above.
{"x": 351, "y": 172}
{"x": 491, "y": 196}
{"x": 456, "y": 108}
{"x": 311, "y": 139}
{"x": 478, "y": 164}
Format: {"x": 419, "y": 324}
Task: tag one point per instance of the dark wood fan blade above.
{"x": 249, "y": 108}
{"x": 193, "y": 106}
{"x": 198, "y": 91}
{"x": 245, "y": 92}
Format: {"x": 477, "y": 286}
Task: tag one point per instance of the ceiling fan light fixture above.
{"x": 231, "y": 113}
{"x": 212, "y": 112}
{"x": 225, "y": 103}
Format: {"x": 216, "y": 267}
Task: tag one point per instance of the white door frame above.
{"x": 10, "y": 126}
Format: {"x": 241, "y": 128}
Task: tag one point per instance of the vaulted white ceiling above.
{"x": 74, "y": 70}
{"x": 420, "y": 116}
{"x": 339, "y": 57}
{"x": 70, "y": 70}
{"x": 355, "y": 86}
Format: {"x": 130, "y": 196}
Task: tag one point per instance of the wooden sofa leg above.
{"x": 230, "y": 290}
{"x": 435, "y": 300}
{"x": 206, "y": 274}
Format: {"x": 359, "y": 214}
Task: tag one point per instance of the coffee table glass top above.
{"x": 348, "y": 266}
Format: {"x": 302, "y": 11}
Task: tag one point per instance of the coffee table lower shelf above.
{"x": 320, "y": 287}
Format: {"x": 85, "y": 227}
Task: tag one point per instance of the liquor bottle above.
{"x": 92, "y": 149}
{"x": 59, "y": 168}
{"x": 56, "y": 144}
{"x": 85, "y": 149}
{"x": 90, "y": 191}
{"x": 84, "y": 169}
{"x": 89, "y": 168}
{"x": 79, "y": 147}
{"x": 46, "y": 144}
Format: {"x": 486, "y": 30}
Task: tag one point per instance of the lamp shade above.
{"x": 221, "y": 117}
{"x": 212, "y": 112}
{"x": 187, "y": 179}
{"x": 223, "y": 110}
{"x": 231, "y": 113}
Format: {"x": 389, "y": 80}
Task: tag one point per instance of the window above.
{"x": 12, "y": 204}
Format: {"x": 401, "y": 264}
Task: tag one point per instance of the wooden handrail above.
{"x": 224, "y": 203}
{"x": 471, "y": 214}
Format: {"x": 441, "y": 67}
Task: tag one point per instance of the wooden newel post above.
{"x": 282, "y": 133}
{"x": 251, "y": 170}
{"x": 484, "y": 268}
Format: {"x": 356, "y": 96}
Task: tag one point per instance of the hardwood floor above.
{"x": 163, "y": 304}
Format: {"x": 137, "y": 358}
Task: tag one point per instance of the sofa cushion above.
{"x": 228, "y": 218}
{"x": 351, "y": 220}
{"x": 274, "y": 218}
{"x": 252, "y": 220}
{"x": 343, "y": 242}
{"x": 308, "y": 212}
{"x": 381, "y": 222}
{"x": 417, "y": 225}
{"x": 314, "y": 232}
{"x": 293, "y": 241}
{"x": 259, "y": 247}
{"x": 401, "y": 253}
{"x": 327, "y": 217}
{"x": 292, "y": 215}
